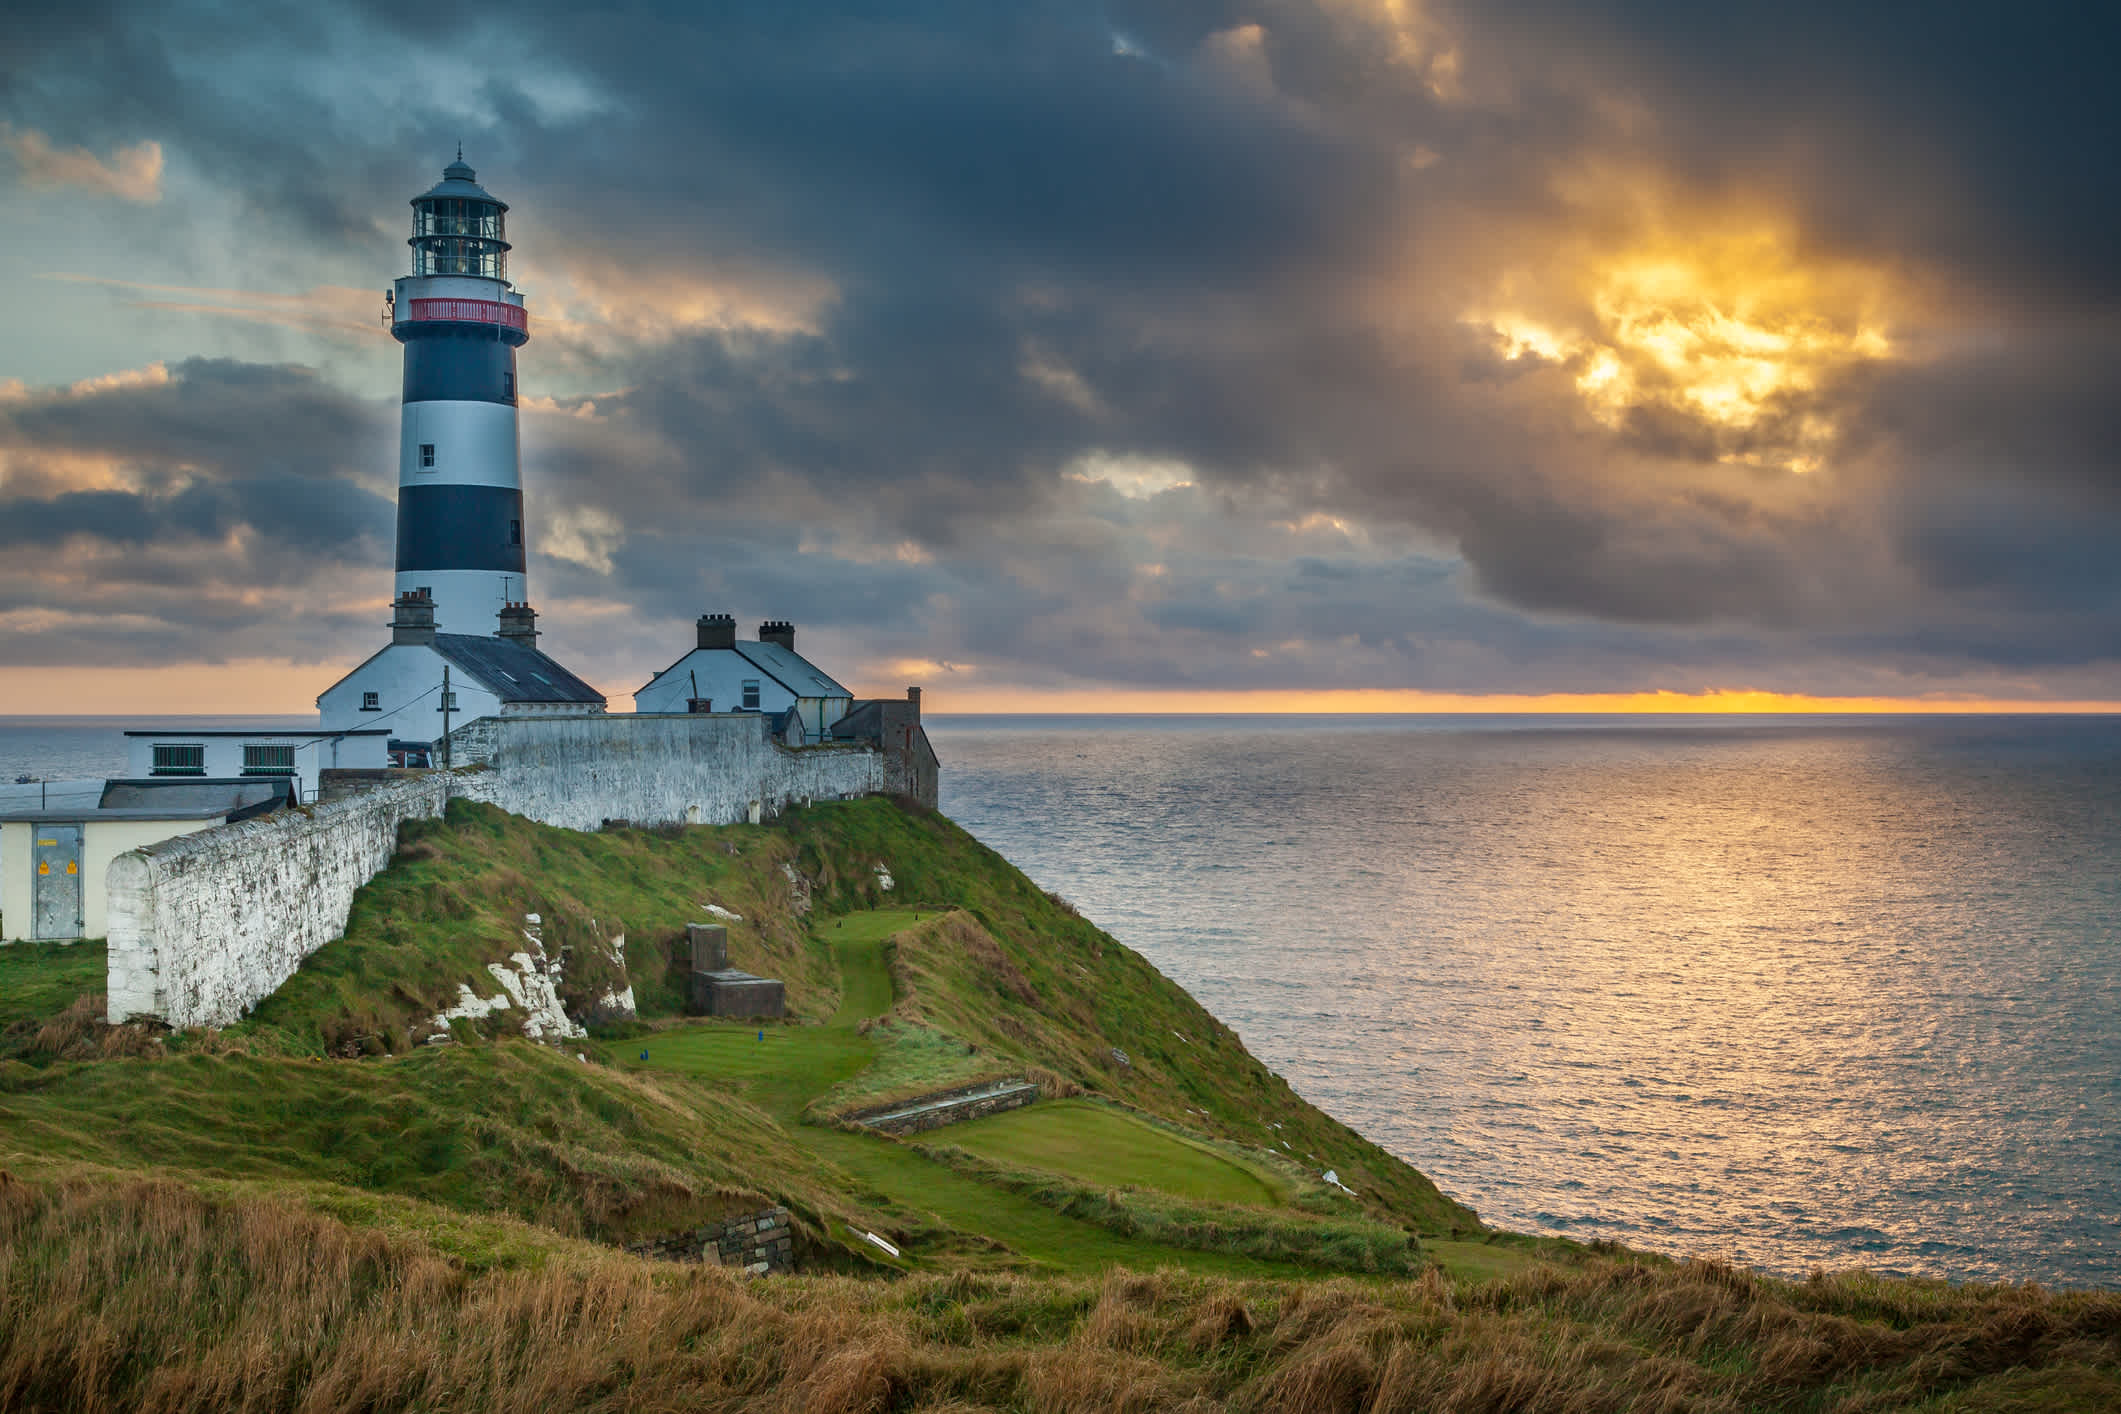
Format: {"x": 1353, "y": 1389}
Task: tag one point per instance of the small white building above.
{"x": 232, "y": 753}
{"x": 58, "y": 837}
{"x": 769, "y": 676}
{"x": 401, "y": 691}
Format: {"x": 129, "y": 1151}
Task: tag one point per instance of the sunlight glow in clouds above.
{"x": 1730, "y": 331}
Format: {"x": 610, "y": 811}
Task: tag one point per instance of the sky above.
{"x": 1340, "y": 354}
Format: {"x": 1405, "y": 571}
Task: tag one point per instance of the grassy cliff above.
{"x": 342, "y": 1204}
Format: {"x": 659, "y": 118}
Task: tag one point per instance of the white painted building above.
{"x": 722, "y": 674}
{"x": 401, "y": 689}
{"x": 57, "y": 838}
{"x": 231, "y": 753}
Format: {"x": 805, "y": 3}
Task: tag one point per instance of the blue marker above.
{"x": 644, "y": 1055}
{"x": 762, "y": 1035}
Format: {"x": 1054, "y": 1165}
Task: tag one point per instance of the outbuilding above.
{"x": 58, "y": 837}
{"x": 233, "y": 753}
{"x": 723, "y": 674}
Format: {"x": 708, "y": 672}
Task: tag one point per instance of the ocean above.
{"x": 1794, "y": 992}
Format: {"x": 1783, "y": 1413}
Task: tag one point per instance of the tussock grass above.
{"x": 148, "y": 1295}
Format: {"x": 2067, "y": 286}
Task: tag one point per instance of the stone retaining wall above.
{"x": 762, "y": 1243}
{"x": 948, "y": 1107}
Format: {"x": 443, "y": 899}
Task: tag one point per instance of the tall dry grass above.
{"x": 145, "y": 1295}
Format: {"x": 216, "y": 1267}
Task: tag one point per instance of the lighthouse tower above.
{"x": 460, "y": 483}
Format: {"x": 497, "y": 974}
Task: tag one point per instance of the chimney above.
{"x": 913, "y": 695}
{"x": 412, "y": 617}
{"x": 519, "y": 624}
{"x": 717, "y": 631}
{"x": 777, "y": 631}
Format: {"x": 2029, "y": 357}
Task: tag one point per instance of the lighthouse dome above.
{"x": 459, "y": 181}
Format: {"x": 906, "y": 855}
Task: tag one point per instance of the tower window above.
{"x": 751, "y": 694}
{"x": 515, "y": 532}
{"x": 427, "y": 454}
{"x": 508, "y": 383}
{"x": 371, "y": 702}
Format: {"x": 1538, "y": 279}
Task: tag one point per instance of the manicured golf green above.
{"x": 1106, "y": 1146}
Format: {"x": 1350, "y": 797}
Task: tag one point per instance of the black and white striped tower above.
{"x": 460, "y": 482}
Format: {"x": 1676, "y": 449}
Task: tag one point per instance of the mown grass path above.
{"x": 783, "y": 1068}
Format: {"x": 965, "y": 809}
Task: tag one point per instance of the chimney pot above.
{"x": 412, "y": 618}
{"x": 519, "y": 624}
{"x": 717, "y": 630}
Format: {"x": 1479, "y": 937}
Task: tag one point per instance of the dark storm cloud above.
{"x": 1050, "y": 231}
{"x": 1978, "y": 136}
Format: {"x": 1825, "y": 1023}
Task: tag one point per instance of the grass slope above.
{"x": 516, "y": 1129}
{"x": 1018, "y": 974}
{"x": 282, "y": 1309}
{"x": 455, "y": 898}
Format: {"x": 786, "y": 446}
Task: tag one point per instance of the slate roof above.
{"x": 187, "y": 798}
{"x": 791, "y": 670}
{"x": 513, "y": 671}
{"x": 786, "y": 667}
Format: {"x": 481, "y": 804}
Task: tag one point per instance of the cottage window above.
{"x": 751, "y": 694}
{"x": 427, "y": 455}
{"x": 371, "y": 702}
{"x": 269, "y": 758}
{"x": 449, "y": 702}
{"x": 176, "y": 760}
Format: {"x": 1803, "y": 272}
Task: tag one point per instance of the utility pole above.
{"x": 445, "y": 716}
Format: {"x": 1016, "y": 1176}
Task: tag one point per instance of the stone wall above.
{"x": 205, "y": 925}
{"x": 948, "y": 1107}
{"x": 696, "y": 769}
{"x": 761, "y": 1243}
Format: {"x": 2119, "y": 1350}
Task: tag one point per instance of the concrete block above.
{"x": 710, "y": 946}
{"x": 733, "y": 994}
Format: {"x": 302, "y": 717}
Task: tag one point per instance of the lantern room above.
{"x": 458, "y": 228}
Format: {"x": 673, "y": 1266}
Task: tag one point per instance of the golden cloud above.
{"x": 1725, "y": 328}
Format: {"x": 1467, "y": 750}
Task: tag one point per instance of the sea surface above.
{"x": 1796, "y": 992}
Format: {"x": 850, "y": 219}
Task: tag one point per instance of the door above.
{"x": 56, "y": 906}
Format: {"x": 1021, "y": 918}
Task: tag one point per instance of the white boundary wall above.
{"x": 205, "y": 926}
{"x": 578, "y": 772}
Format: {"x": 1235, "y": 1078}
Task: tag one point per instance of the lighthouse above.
{"x": 460, "y": 483}
{"x": 463, "y": 637}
